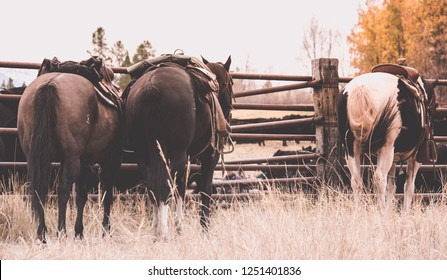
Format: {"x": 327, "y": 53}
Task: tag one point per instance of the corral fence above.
{"x": 325, "y": 83}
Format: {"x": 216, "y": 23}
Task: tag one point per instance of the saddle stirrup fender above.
{"x": 427, "y": 153}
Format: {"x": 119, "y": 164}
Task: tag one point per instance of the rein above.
{"x": 223, "y": 137}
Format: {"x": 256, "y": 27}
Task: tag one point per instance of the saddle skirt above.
{"x": 409, "y": 75}
{"x": 202, "y": 76}
{"x": 426, "y": 149}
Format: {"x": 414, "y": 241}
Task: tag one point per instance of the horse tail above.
{"x": 42, "y": 144}
{"x": 369, "y": 124}
{"x": 361, "y": 113}
{"x": 157, "y": 171}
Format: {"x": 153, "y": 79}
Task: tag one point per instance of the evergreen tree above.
{"x": 10, "y": 83}
{"x": 100, "y": 45}
{"x": 143, "y": 52}
{"x": 124, "y": 80}
{"x": 119, "y": 53}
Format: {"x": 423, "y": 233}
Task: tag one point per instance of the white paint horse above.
{"x": 387, "y": 115}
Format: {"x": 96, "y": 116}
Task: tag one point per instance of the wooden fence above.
{"x": 325, "y": 83}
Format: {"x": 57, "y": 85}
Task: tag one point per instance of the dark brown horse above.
{"x": 10, "y": 150}
{"x": 167, "y": 124}
{"x": 61, "y": 118}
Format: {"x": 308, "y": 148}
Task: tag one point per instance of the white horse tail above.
{"x": 361, "y": 112}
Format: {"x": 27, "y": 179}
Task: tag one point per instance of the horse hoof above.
{"x": 42, "y": 238}
{"x": 79, "y": 236}
{"x": 62, "y": 234}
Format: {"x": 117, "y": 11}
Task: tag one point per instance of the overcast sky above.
{"x": 266, "y": 33}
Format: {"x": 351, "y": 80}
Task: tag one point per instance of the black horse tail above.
{"x": 157, "y": 171}
{"x": 42, "y": 145}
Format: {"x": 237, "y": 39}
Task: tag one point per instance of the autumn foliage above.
{"x": 391, "y": 29}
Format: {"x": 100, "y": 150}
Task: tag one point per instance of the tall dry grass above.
{"x": 279, "y": 226}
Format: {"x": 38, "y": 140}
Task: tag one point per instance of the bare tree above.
{"x": 318, "y": 42}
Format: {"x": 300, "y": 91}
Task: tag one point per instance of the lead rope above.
{"x": 214, "y": 143}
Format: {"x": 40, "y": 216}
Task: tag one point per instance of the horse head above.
{"x": 226, "y": 96}
{"x": 429, "y": 88}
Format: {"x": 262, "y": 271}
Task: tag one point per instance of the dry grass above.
{"x": 279, "y": 226}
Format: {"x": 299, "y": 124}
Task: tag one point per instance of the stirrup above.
{"x": 228, "y": 144}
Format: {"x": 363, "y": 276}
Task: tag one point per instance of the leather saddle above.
{"x": 93, "y": 70}
{"x": 204, "y": 79}
{"x": 398, "y": 70}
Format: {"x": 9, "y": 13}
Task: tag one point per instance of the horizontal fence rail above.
{"x": 291, "y": 158}
{"x": 262, "y": 136}
{"x": 234, "y": 136}
{"x": 279, "y": 107}
{"x": 273, "y": 124}
{"x": 276, "y": 89}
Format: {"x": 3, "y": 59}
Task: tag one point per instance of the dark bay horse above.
{"x": 10, "y": 150}
{"x": 9, "y": 146}
{"x": 61, "y": 118}
{"x": 167, "y": 124}
{"x": 387, "y": 115}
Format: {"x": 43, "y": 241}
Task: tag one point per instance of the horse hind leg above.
{"x": 208, "y": 163}
{"x": 391, "y": 187}
{"x": 158, "y": 191}
{"x": 81, "y": 199}
{"x": 353, "y": 163}
{"x": 160, "y": 213}
{"x": 179, "y": 214}
{"x": 412, "y": 169}
{"x": 179, "y": 171}
{"x": 70, "y": 171}
{"x": 110, "y": 169}
{"x": 385, "y": 157}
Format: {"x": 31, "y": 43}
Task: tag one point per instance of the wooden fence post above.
{"x": 325, "y": 104}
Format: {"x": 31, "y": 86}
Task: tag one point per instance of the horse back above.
{"x": 83, "y": 124}
{"x": 163, "y": 105}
